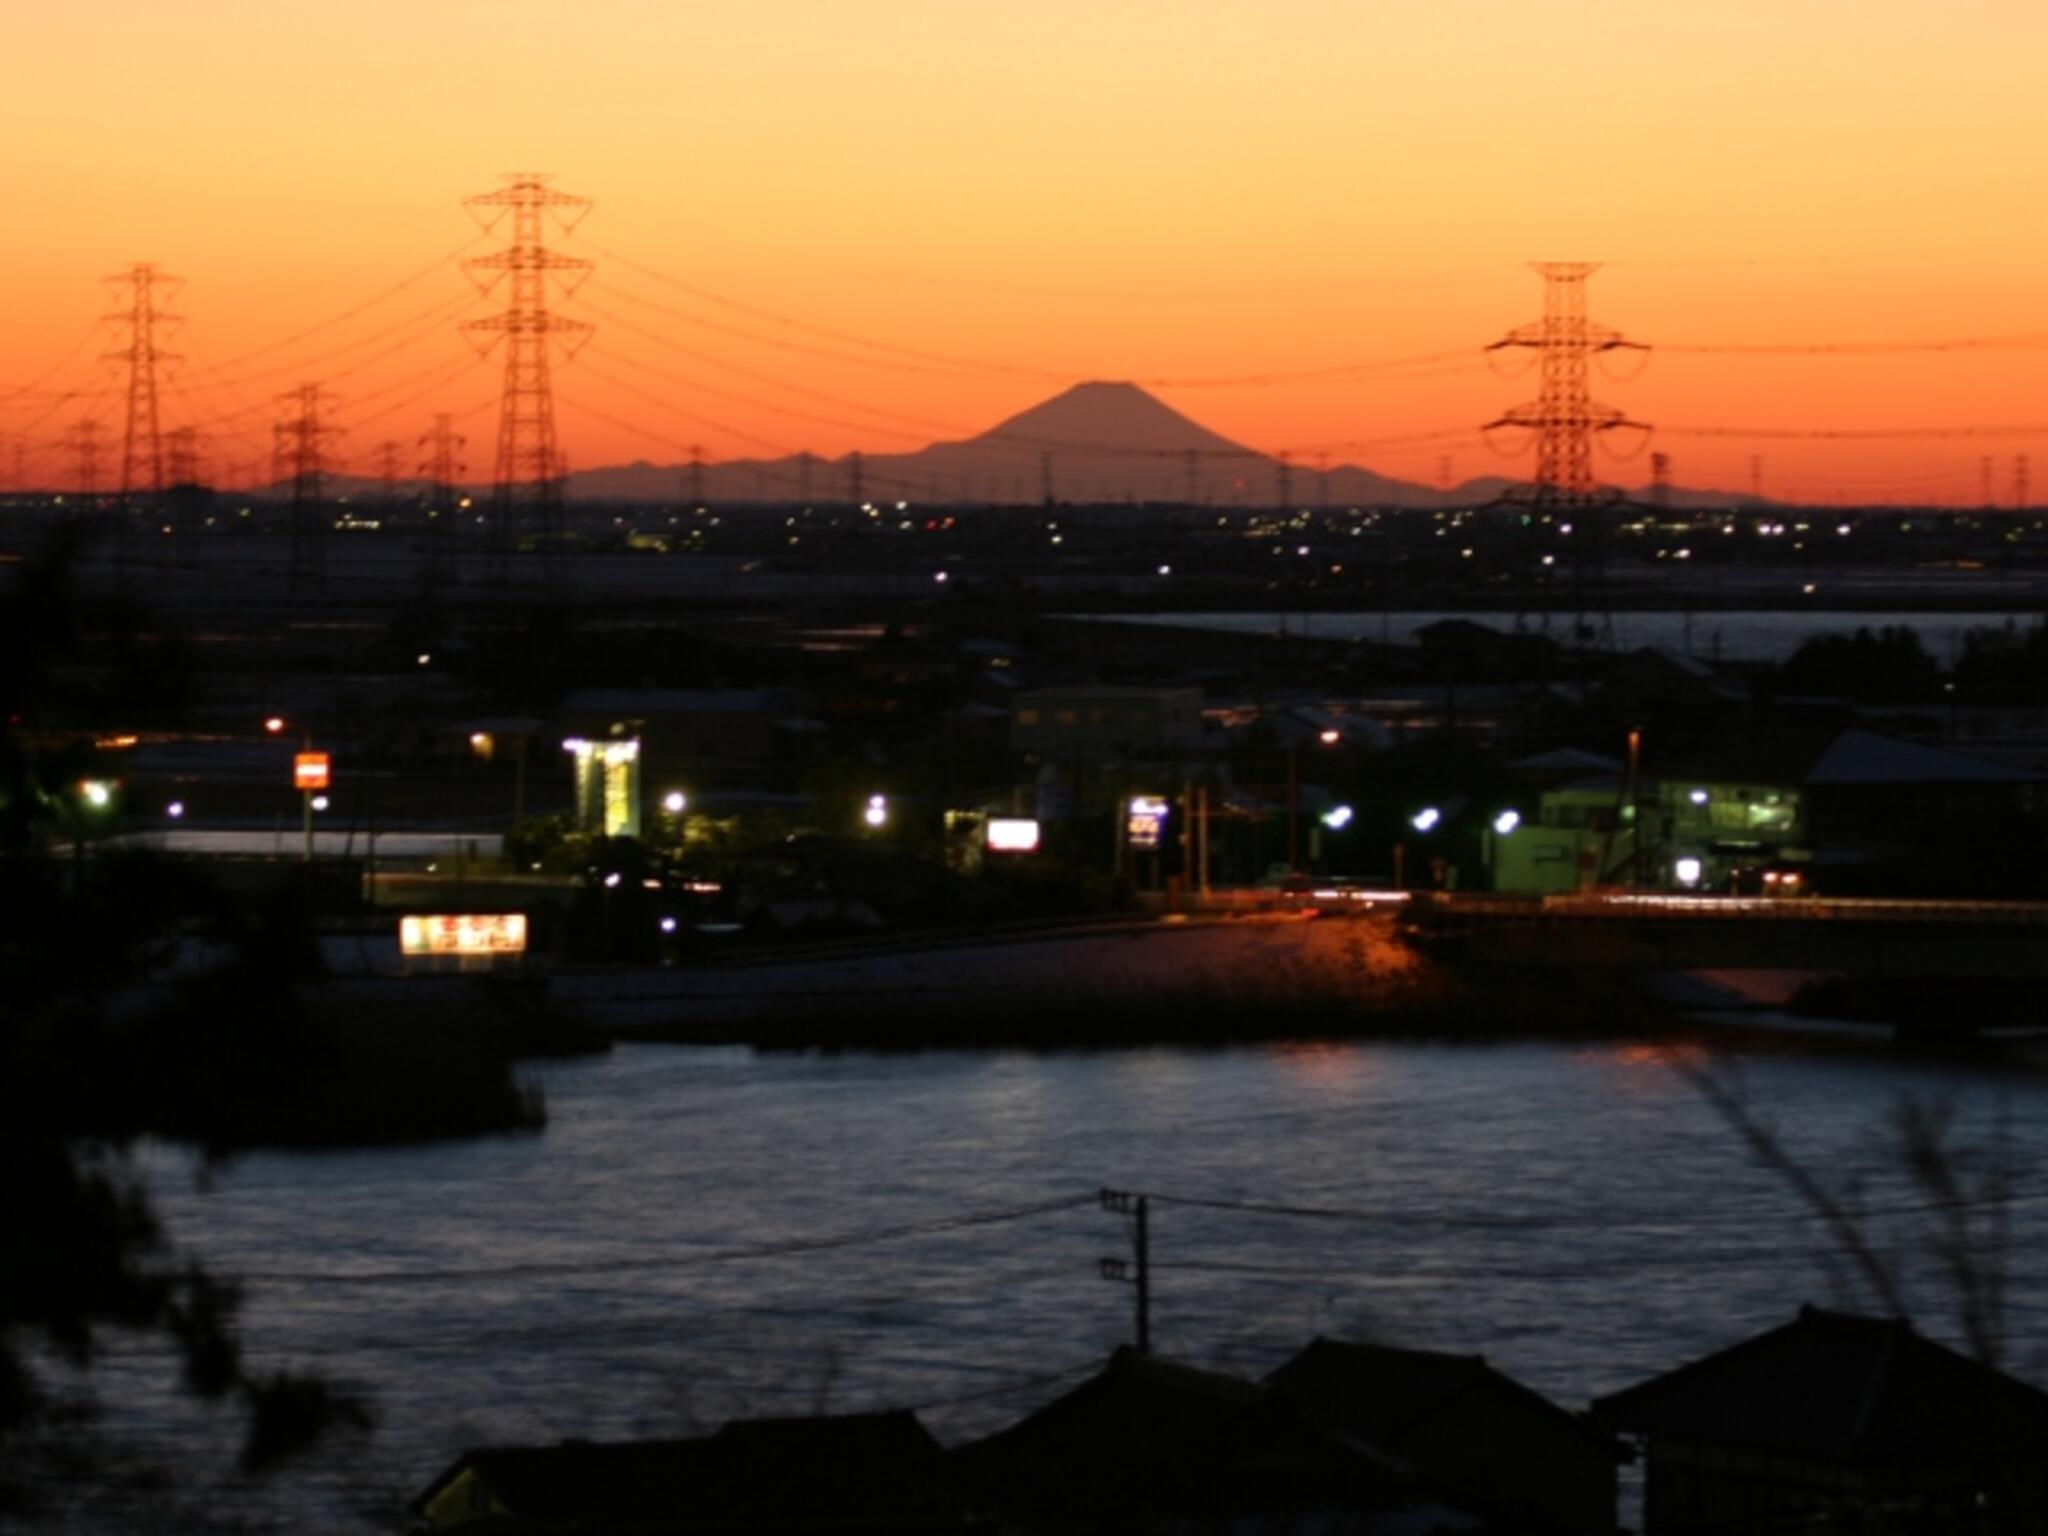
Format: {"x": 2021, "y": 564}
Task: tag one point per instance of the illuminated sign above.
{"x": 310, "y": 771}
{"x": 501, "y": 934}
{"x": 1012, "y": 834}
{"x": 1145, "y": 822}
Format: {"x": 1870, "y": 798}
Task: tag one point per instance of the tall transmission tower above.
{"x": 527, "y": 485}
{"x": 444, "y": 472}
{"x": 1567, "y": 420}
{"x": 1564, "y": 415}
{"x": 83, "y": 439}
{"x": 1660, "y": 481}
{"x": 302, "y": 449}
{"x": 387, "y": 473}
{"x": 137, "y": 294}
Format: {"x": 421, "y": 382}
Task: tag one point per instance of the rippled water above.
{"x": 1578, "y": 1214}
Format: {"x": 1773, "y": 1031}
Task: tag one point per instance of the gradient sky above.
{"x": 1054, "y": 191}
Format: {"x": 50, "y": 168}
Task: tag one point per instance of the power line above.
{"x": 439, "y": 263}
{"x": 795, "y": 1246}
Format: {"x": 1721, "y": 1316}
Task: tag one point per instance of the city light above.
{"x": 274, "y": 724}
{"x": 320, "y": 802}
{"x": 1698, "y": 797}
{"x": 675, "y": 802}
{"x": 1013, "y": 834}
{"x": 1506, "y": 822}
{"x": 1426, "y": 819}
{"x": 1330, "y": 736}
{"x": 175, "y": 809}
{"x": 99, "y": 794}
{"x": 877, "y": 812}
{"x": 1337, "y": 817}
{"x": 1688, "y": 871}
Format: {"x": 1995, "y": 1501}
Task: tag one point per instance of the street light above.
{"x": 1426, "y": 819}
{"x": 98, "y": 793}
{"x": 877, "y": 812}
{"x": 675, "y": 802}
{"x": 1506, "y": 822}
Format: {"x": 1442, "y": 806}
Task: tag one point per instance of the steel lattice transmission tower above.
{"x": 444, "y": 501}
{"x": 1564, "y": 415}
{"x": 1567, "y": 421}
{"x": 302, "y": 454}
{"x": 527, "y": 485}
{"x": 137, "y": 293}
{"x": 82, "y": 437}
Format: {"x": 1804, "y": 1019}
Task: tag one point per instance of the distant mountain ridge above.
{"x": 1101, "y": 441}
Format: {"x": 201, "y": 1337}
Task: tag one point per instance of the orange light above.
{"x": 311, "y": 771}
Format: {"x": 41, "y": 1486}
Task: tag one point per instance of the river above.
{"x": 1745, "y": 635}
{"x": 1577, "y": 1213}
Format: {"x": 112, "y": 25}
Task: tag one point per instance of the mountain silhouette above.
{"x": 1099, "y": 442}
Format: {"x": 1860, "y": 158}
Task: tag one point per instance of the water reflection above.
{"x": 668, "y": 1253}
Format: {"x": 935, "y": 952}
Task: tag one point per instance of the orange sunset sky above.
{"x": 1048, "y": 192}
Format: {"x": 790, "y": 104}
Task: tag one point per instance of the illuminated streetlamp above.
{"x": 877, "y": 813}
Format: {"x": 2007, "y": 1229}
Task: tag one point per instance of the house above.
{"x": 1838, "y": 1423}
{"x": 825, "y": 1475}
{"x": 1467, "y": 1430}
{"x": 1147, "y": 1445}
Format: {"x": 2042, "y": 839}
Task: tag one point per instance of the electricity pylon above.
{"x": 302, "y": 454}
{"x": 443, "y": 471}
{"x": 137, "y": 293}
{"x": 527, "y": 485}
{"x": 1565, "y": 417}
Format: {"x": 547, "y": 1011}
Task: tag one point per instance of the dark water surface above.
{"x": 1578, "y": 1214}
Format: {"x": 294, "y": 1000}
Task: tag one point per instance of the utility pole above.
{"x": 1283, "y": 484}
{"x": 1756, "y": 477}
{"x": 137, "y": 291}
{"x": 1660, "y": 481}
{"x": 1137, "y": 1272}
{"x": 1191, "y": 462}
{"x": 856, "y": 487}
{"x": 1045, "y": 486}
{"x": 696, "y": 481}
{"x": 527, "y": 484}
{"x": 2021, "y": 496}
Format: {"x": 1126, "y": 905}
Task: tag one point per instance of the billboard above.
{"x": 501, "y": 933}
{"x": 1012, "y": 834}
{"x": 1145, "y": 822}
